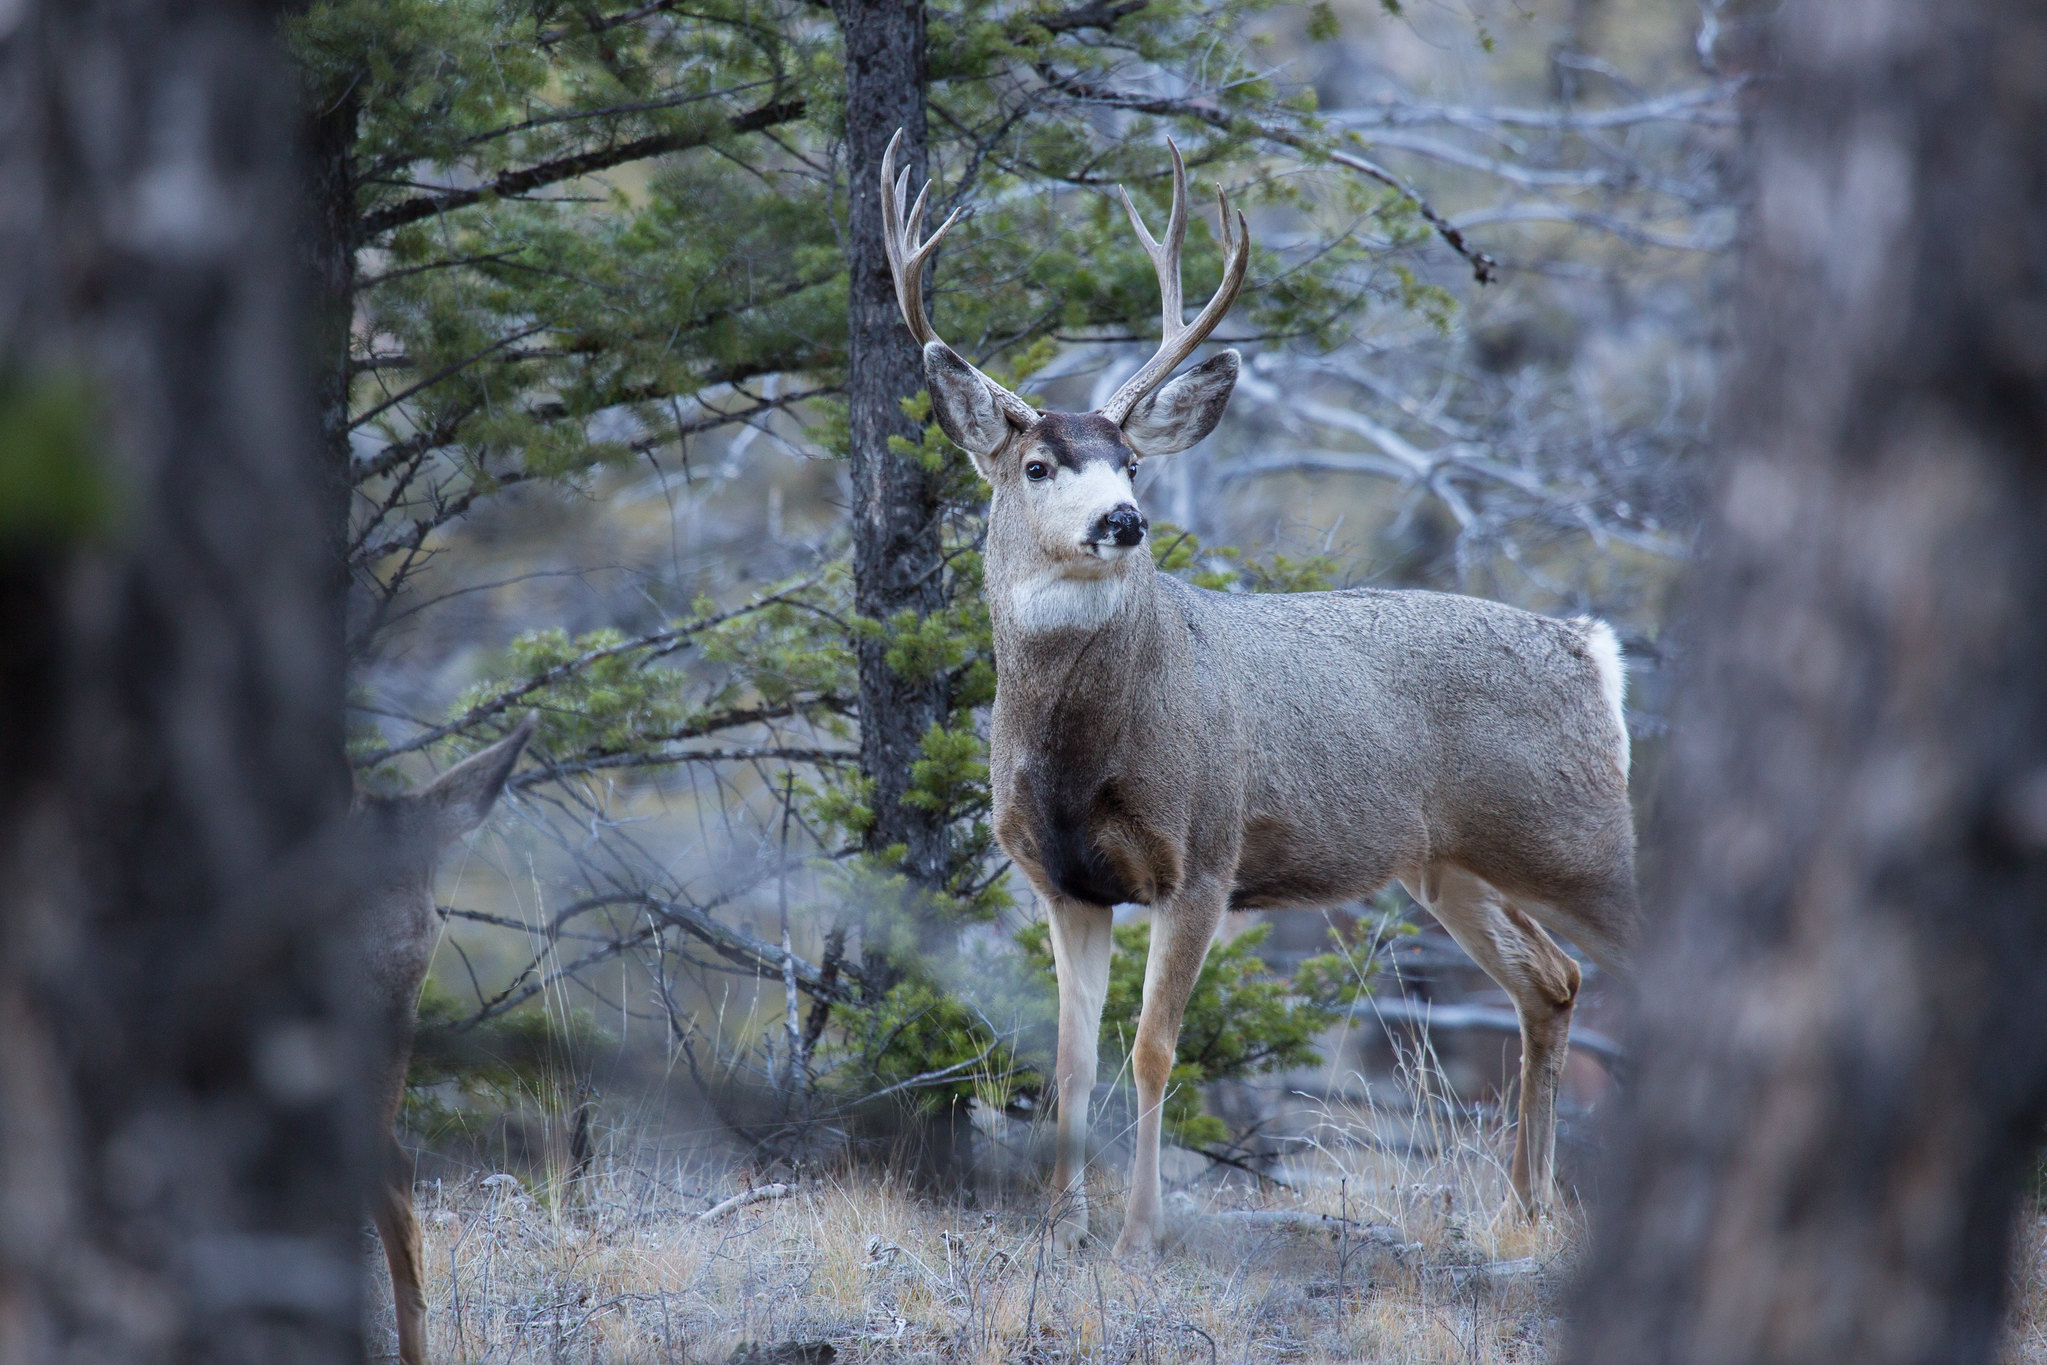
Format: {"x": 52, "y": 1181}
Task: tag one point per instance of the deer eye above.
{"x": 1133, "y": 468}
{"x": 1037, "y": 471}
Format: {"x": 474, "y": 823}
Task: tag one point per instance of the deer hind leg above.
{"x": 1181, "y": 931}
{"x": 398, "y": 1227}
{"x": 1543, "y": 982}
{"x": 1081, "y": 947}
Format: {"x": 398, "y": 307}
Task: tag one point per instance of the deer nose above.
{"x": 1123, "y": 524}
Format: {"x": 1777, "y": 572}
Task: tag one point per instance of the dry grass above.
{"x": 2025, "y": 1340}
{"x": 1430, "y": 1267}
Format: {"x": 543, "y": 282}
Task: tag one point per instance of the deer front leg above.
{"x": 1181, "y": 931}
{"x": 398, "y": 1226}
{"x": 1081, "y": 946}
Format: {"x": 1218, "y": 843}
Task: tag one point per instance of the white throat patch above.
{"x": 1056, "y": 601}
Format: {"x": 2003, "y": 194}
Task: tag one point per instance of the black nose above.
{"x": 1123, "y": 524}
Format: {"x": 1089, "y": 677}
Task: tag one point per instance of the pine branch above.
{"x": 669, "y": 758}
{"x": 610, "y": 21}
{"x": 568, "y": 668}
{"x": 1095, "y": 15}
{"x": 509, "y": 183}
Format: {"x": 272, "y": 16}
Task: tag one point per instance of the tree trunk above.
{"x": 1844, "y": 1036}
{"x": 328, "y": 132}
{"x": 180, "y": 1149}
{"x": 897, "y": 503}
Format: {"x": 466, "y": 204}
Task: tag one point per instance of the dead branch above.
{"x": 758, "y": 1195}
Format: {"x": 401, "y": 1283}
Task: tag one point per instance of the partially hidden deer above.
{"x": 398, "y": 929}
{"x": 1197, "y": 751}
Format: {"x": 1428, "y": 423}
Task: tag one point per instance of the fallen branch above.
{"x": 1300, "y": 1220}
{"x": 740, "y": 1201}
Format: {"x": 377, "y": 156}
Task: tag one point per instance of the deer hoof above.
{"x": 1138, "y": 1242}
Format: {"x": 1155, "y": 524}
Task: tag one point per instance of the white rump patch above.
{"x": 1605, "y": 649}
{"x": 1057, "y": 601}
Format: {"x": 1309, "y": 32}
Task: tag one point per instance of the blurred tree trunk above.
{"x": 898, "y": 505}
{"x": 1844, "y": 1036}
{"x": 179, "y": 1145}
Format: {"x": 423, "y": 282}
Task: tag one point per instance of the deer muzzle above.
{"x": 1122, "y": 526}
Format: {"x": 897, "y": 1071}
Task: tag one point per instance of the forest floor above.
{"x": 1367, "y": 1255}
{"x": 625, "y": 1270}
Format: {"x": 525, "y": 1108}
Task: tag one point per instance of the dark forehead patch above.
{"x": 1077, "y": 439}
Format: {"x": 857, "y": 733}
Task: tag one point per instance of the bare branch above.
{"x": 1483, "y": 267}
{"x": 1690, "y": 106}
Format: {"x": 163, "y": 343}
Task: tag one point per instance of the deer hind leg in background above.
{"x": 1543, "y": 982}
{"x": 1081, "y": 947}
{"x": 1181, "y": 930}
{"x": 398, "y": 1227}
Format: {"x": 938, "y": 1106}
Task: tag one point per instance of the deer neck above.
{"x": 1051, "y": 615}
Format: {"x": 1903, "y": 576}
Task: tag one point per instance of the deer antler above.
{"x": 901, "y": 221}
{"x": 1179, "y": 339}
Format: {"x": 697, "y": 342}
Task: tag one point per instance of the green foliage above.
{"x": 1240, "y": 1021}
{"x": 925, "y": 1046}
{"x": 525, "y": 1057}
{"x": 53, "y": 487}
{"x": 610, "y": 701}
{"x": 1228, "y": 569}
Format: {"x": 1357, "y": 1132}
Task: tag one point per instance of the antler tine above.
{"x": 1165, "y": 261}
{"x": 906, "y": 258}
{"x": 900, "y": 223}
{"x": 1178, "y": 341}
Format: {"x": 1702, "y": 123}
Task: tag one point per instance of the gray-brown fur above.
{"x": 1195, "y": 750}
{"x": 1075, "y": 439}
{"x": 399, "y": 928}
{"x": 1309, "y": 748}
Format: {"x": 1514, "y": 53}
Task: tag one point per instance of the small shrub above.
{"x": 1241, "y": 1020}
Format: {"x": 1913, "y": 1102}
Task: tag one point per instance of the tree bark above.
{"x": 328, "y": 132}
{"x": 181, "y": 1148}
{"x": 1843, "y": 1043}
{"x": 898, "y": 505}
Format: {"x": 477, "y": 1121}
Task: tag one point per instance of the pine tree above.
{"x": 508, "y": 307}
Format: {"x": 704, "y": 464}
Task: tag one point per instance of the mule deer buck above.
{"x": 1199, "y": 751}
{"x": 399, "y": 928}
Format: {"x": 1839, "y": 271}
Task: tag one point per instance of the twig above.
{"x": 740, "y": 1201}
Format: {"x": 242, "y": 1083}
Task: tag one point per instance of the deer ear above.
{"x": 1185, "y": 410}
{"x": 460, "y": 799}
{"x": 964, "y": 407}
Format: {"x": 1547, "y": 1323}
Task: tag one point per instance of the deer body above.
{"x": 1305, "y": 748}
{"x": 1195, "y": 751}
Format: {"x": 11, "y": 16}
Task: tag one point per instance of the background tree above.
{"x": 1842, "y": 1067}
{"x": 179, "y": 1159}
